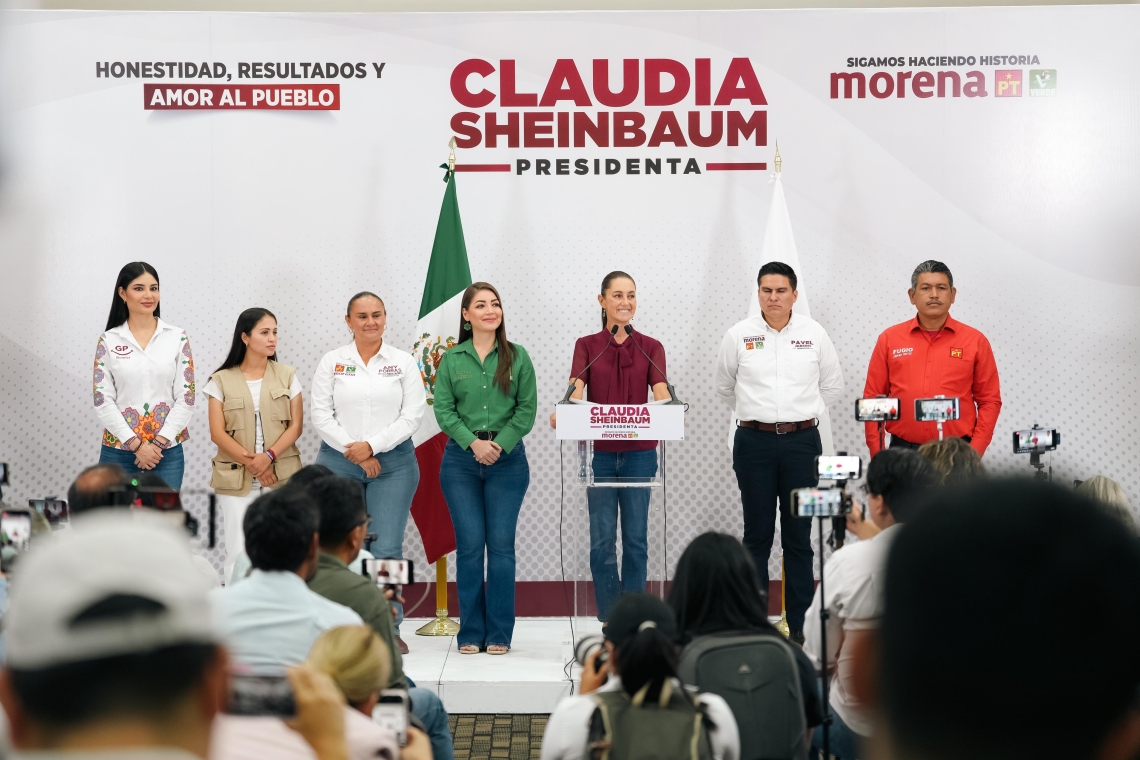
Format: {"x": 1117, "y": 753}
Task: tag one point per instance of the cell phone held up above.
{"x": 820, "y": 502}
{"x": 391, "y": 711}
{"x": 388, "y": 572}
{"x": 261, "y": 693}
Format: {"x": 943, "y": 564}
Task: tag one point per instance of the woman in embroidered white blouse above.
{"x": 143, "y": 380}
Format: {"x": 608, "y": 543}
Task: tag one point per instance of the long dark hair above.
{"x": 506, "y": 350}
{"x": 607, "y": 281}
{"x": 246, "y": 321}
{"x": 127, "y": 275}
{"x": 645, "y": 646}
{"x": 716, "y": 588}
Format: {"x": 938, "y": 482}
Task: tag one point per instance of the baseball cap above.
{"x": 66, "y": 590}
{"x": 636, "y": 611}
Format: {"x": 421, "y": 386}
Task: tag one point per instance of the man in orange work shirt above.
{"x": 934, "y": 354}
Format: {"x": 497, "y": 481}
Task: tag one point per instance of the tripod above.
{"x": 824, "y": 615}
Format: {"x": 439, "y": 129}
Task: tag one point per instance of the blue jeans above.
{"x": 426, "y": 706}
{"x": 842, "y": 742}
{"x": 389, "y": 496}
{"x": 170, "y": 468}
{"x": 484, "y": 502}
{"x": 633, "y": 505}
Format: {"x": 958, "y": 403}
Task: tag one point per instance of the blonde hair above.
{"x": 355, "y": 658}
{"x": 1109, "y": 493}
{"x": 954, "y": 459}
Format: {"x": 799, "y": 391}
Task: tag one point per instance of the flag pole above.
{"x": 442, "y": 625}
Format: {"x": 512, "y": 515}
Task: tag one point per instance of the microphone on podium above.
{"x": 672, "y": 393}
{"x": 574, "y": 382}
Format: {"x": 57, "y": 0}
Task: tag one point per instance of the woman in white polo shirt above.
{"x": 256, "y": 416}
{"x": 368, "y": 400}
{"x": 143, "y": 380}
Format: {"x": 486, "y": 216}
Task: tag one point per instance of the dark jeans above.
{"x": 170, "y": 468}
{"x": 768, "y": 467}
{"x": 633, "y": 505}
{"x": 484, "y": 501}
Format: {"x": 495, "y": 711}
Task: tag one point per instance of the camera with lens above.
{"x": 161, "y": 499}
{"x": 586, "y": 647}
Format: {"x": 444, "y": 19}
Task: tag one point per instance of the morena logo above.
{"x": 644, "y": 83}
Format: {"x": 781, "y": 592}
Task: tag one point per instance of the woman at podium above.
{"x": 618, "y": 365}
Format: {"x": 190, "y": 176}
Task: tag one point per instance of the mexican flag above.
{"x": 448, "y": 276}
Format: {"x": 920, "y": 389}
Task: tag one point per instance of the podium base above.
{"x": 441, "y": 626}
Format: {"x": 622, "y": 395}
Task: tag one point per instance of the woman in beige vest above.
{"x": 256, "y": 415}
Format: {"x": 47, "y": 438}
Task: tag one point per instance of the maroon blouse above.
{"x": 621, "y": 375}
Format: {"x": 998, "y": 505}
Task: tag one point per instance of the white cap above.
{"x": 107, "y": 553}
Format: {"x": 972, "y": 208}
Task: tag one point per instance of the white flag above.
{"x": 780, "y": 245}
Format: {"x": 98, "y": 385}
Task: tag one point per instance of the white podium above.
{"x": 590, "y": 422}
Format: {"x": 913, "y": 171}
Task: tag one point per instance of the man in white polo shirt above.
{"x": 779, "y": 372}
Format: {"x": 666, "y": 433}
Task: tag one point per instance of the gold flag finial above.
{"x": 779, "y": 162}
{"x": 451, "y": 158}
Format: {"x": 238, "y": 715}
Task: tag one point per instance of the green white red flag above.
{"x": 448, "y": 276}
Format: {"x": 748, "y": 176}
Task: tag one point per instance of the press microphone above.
{"x": 672, "y": 393}
{"x": 574, "y": 382}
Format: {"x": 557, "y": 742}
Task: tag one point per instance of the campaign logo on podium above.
{"x": 1008, "y": 83}
{"x": 1042, "y": 83}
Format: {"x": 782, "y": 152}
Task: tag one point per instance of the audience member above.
{"x": 301, "y": 478}
{"x": 1108, "y": 493}
{"x": 255, "y": 738}
{"x": 716, "y": 590}
{"x": 641, "y": 668}
{"x": 343, "y": 526}
{"x": 111, "y": 653}
{"x": 956, "y": 461}
{"x": 93, "y": 487}
{"x": 272, "y": 618}
{"x": 357, "y": 660}
{"x": 984, "y": 649}
{"x": 897, "y": 481}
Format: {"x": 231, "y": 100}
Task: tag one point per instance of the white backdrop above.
{"x": 1030, "y": 200}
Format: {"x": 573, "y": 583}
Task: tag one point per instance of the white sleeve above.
{"x": 103, "y": 385}
{"x": 830, "y": 374}
{"x": 725, "y": 739}
{"x": 323, "y": 410}
{"x": 568, "y": 729}
{"x": 183, "y": 391}
{"x": 412, "y": 407}
{"x": 724, "y": 379}
{"x": 294, "y": 387}
{"x": 213, "y": 391}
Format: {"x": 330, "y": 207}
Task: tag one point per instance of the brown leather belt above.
{"x": 779, "y": 428}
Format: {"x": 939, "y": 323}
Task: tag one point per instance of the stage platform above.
{"x": 531, "y": 678}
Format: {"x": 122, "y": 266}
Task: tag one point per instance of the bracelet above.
{"x": 272, "y": 456}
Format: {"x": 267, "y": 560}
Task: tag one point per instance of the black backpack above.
{"x": 757, "y": 675}
{"x": 672, "y": 728}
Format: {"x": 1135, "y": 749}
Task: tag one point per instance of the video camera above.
{"x": 161, "y": 499}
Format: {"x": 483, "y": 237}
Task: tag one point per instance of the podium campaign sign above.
{"x": 621, "y": 422}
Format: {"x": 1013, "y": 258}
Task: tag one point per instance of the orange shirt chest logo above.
{"x": 956, "y": 353}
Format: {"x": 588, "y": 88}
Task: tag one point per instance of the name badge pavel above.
{"x": 633, "y": 422}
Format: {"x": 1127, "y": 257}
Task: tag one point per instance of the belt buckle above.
{"x": 785, "y": 432}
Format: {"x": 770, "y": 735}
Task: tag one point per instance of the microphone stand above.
{"x": 673, "y": 400}
{"x": 574, "y": 383}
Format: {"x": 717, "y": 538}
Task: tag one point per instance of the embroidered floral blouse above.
{"x": 144, "y": 392}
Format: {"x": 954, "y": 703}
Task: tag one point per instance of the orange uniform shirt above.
{"x": 908, "y": 364}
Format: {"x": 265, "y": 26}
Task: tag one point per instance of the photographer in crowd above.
{"x": 344, "y": 524}
{"x": 1001, "y": 675}
{"x": 897, "y": 480}
{"x": 111, "y": 653}
{"x": 93, "y": 487}
{"x": 637, "y": 667}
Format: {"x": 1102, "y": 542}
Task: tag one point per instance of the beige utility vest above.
{"x": 233, "y": 478}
